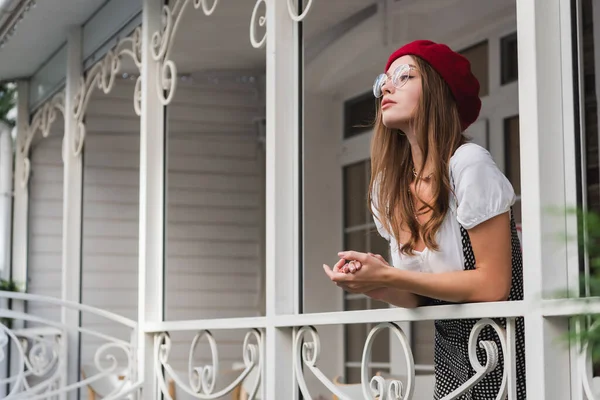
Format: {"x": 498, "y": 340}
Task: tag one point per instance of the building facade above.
{"x": 180, "y": 170}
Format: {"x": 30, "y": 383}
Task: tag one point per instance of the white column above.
{"x": 21, "y": 193}
{"x": 282, "y": 195}
{"x": 20, "y": 229}
{"x": 72, "y": 196}
{"x": 546, "y": 173}
{"x": 152, "y": 202}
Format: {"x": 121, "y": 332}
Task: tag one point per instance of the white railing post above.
{"x": 20, "y": 229}
{"x": 282, "y": 196}
{"x": 72, "y": 195}
{"x": 545, "y": 174}
{"x": 152, "y": 204}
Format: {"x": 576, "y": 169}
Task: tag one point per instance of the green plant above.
{"x": 7, "y": 102}
{"x": 588, "y": 238}
{"x": 8, "y": 286}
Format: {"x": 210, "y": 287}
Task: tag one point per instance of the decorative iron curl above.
{"x": 293, "y": 15}
{"x": 162, "y": 44}
{"x": 309, "y": 351}
{"x": 41, "y": 122}
{"x": 492, "y": 358}
{"x": 202, "y": 379}
{"x": 378, "y": 386}
{"x": 262, "y": 21}
{"x": 102, "y": 76}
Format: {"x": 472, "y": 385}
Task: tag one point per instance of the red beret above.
{"x": 454, "y": 68}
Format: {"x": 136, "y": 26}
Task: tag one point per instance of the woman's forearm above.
{"x": 400, "y": 298}
{"x": 457, "y": 287}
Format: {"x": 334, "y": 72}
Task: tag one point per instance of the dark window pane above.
{"x": 381, "y": 346}
{"x": 422, "y": 342}
{"x": 587, "y": 58}
{"x": 379, "y": 245}
{"x": 356, "y": 337}
{"x": 356, "y": 334}
{"x": 478, "y": 56}
{"x": 356, "y": 241}
{"x": 355, "y": 189}
{"x": 359, "y": 115}
{"x": 509, "y": 59}
{"x": 513, "y": 159}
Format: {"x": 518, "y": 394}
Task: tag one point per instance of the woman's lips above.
{"x": 387, "y": 104}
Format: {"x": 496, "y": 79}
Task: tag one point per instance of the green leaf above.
{"x": 7, "y": 103}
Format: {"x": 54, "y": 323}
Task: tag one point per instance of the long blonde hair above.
{"x": 438, "y": 130}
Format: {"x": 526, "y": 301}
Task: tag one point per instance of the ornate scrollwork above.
{"x": 294, "y": 15}
{"x": 36, "y": 357}
{"x": 102, "y": 76}
{"x": 41, "y": 122}
{"x": 162, "y": 43}
{"x": 262, "y": 20}
{"x": 202, "y": 380}
{"x": 491, "y": 352}
{"x": 308, "y": 351}
{"x": 41, "y": 352}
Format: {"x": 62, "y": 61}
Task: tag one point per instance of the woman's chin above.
{"x": 394, "y": 123}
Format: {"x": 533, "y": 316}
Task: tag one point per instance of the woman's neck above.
{"x": 417, "y": 155}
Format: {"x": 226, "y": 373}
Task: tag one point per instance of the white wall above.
{"x": 214, "y": 212}
{"x": 110, "y": 214}
{"x": 45, "y": 221}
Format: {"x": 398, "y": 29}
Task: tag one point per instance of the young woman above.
{"x": 445, "y": 208}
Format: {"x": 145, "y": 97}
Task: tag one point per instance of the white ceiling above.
{"x": 222, "y": 41}
{"x": 41, "y": 32}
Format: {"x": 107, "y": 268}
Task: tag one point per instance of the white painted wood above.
{"x": 71, "y": 241}
{"x": 544, "y": 180}
{"x": 151, "y": 203}
{"x": 110, "y": 215}
{"x": 46, "y": 229}
{"x": 282, "y": 188}
{"x": 214, "y": 207}
{"x": 20, "y": 209}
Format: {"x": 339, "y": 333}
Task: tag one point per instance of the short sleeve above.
{"x": 482, "y": 190}
{"x": 374, "y": 201}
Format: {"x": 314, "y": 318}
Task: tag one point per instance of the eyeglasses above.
{"x": 399, "y": 78}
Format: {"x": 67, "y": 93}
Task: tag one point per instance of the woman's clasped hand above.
{"x": 357, "y": 272}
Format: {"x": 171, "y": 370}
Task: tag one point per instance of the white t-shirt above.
{"x": 482, "y": 192}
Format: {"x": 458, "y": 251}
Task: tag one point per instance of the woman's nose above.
{"x": 387, "y": 87}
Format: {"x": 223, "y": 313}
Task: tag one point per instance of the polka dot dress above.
{"x": 451, "y": 357}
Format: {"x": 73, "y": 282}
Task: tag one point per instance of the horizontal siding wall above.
{"x": 110, "y": 228}
{"x": 215, "y": 213}
{"x": 45, "y": 221}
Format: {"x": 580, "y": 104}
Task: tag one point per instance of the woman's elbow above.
{"x": 499, "y": 292}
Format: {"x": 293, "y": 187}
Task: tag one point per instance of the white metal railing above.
{"x": 202, "y": 380}
{"x": 308, "y": 353}
{"x": 39, "y": 353}
{"x": 308, "y": 349}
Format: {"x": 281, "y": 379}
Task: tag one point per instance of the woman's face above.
{"x": 399, "y": 104}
